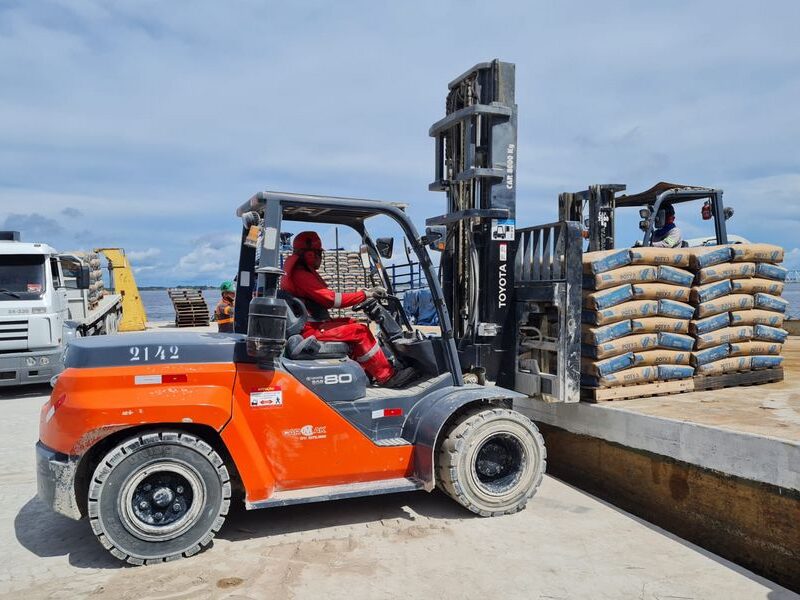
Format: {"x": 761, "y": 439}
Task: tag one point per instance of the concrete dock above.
{"x": 718, "y": 467}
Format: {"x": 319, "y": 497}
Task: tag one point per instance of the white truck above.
{"x": 46, "y": 299}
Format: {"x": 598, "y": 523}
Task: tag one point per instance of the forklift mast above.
{"x": 594, "y": 209}
{"x": 514, "y": 293}
{"x": 476, "y": 155}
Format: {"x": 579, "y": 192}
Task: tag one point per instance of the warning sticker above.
{"x": 503, "y": 230}
{"x": 263, "y": 397}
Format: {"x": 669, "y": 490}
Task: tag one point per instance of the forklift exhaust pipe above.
{"x": 266, "y": 329}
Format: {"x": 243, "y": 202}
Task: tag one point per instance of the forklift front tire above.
{"x": 492, "y": 461}
{"x": 158, "y": 496}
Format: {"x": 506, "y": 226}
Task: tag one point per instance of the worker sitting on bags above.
{"x": 303, "y": 281}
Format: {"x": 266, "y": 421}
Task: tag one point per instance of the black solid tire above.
{"x": 455, "y": 461}
{"x": 132, "y": 456}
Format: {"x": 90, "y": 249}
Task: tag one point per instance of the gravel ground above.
{"x": 567, "y": 544}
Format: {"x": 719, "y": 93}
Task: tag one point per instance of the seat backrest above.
{"x": 296, "y": 316}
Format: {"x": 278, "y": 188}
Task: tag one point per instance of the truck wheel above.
{"x": 492, "y": 461}
{"x": 159, "y": 496}
{"x": 110, "y": 323}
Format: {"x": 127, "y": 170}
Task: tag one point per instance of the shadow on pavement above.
{"x": 47, "y": 534}
{"x": 248, "y": 524}
{"x": 16, "y": 392}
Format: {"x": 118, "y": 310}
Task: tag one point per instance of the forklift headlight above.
{"x": 44, "y": 360}
{"x": 30, "y": 361}
{"x": 644, "y": 213}
{"x": 643, "y": 225}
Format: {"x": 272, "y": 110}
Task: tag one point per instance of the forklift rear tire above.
{"x": 492, "y": 461}
{"x": 158, "y": 496}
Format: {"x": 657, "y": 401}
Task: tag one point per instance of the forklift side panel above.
{"x": 288, "y": 438}
{"x": 100, "y": 401}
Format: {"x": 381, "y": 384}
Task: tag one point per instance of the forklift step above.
{"x": 396, "y": 441}
{"x": 337, "y": 492}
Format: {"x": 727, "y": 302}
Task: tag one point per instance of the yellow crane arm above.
{"x": 133, "y": 313}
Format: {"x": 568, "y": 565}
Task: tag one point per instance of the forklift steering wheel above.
{"x": 365, "y": 304}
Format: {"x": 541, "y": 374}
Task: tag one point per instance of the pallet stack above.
{"x": 739, "y": 311}
{"x": 190, "y": 307}
{"x": 636, "y": 315}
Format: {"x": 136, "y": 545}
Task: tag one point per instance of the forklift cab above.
{"x": 595, "y": 208}
{"x": 259, "y": 277}
{"x": 651, "y": 202}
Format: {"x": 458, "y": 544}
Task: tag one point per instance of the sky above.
{"x": 145, "y": 124}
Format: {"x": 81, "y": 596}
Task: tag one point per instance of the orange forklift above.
{"x": 151, "y": 436}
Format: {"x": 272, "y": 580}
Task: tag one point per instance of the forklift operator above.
{"x": 668, "y": 235}
{"x": 302, "y": 280}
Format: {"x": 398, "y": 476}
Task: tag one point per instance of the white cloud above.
{"x": 142, "y": 256}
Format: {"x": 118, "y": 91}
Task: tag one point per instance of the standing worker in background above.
{"x": 668, "y": 235}
{"x": 302, "y": 280}
{"x": 223, "y": 313}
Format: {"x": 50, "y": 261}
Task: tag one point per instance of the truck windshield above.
{"x": 21, "y": 276}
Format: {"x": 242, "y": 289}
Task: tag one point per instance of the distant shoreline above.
{"x": 177, "y": 287}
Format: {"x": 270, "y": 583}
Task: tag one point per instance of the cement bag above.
{"x": 727, "y": 335}
{"x": 629, "y": 274}
{"x": 710, "y": 323}
{"x": 770, "y": 271}
{"x": 770, "y": 302}
{"x": 599, "y": 368}
{"x": 629, "y": 377}
{"x": 674, "y": 276}
{"x": 766, "y": 333}
{"x": 709, "y": 256}
{"x": 765, "y": 362}
{"x": 726, "y": 271}
{"x": 756, "y": 253}
{"x": 756, "y": 317}
{"x": 676, "y": 310}
{"x": 661, "y": 357}
{"x": 626, "y": 310}
{"x": 630, "y": 343}
{"x": 724, "y": 304}
{"x": 715, "y": 353}
{"x": 674, "y": 341}
{"x": 756, "y": 285}
{"x": 726, "y": 365}
{"x": 606, "y": 298}
{"x": 657, "y": 291}
{"x": 710, "y": 291}
{"x": 668, "y": 372}
{"x": 750, "y": 348}
{"x": 656, "y": 324}
{"x": 605, "y": 260}
{"x": 674, "y": 257}
{"x": 598, "y": 335}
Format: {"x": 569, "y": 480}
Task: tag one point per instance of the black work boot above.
{"x": 401, "y": 377}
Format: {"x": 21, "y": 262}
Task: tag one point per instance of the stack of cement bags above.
{"x": 636, "y": 315}
{"x": 738, "y": 308}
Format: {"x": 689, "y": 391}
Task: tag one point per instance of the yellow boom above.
{"x": 133, "y": 314}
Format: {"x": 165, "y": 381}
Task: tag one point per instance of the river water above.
{"x": 159, "y": 307}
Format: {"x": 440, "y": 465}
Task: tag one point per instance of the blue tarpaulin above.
{"x": 419, "y": 307}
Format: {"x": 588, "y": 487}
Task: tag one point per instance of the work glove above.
{"x": 376, "y": 292}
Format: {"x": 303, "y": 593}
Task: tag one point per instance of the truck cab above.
{"x": 33, "y": 310}
{"x": 45, "y": 301}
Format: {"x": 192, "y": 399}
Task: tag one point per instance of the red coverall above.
{"x": 306, "y": 283}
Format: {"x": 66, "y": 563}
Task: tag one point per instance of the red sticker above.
{"x": 34, "y": 288}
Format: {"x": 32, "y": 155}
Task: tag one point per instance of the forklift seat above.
{"x": 309, "y": 348}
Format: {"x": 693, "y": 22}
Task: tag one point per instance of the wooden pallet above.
{"x": 639, "y": 390}
{"x": 717, "y": 382}
{"x": 190, "y": 307}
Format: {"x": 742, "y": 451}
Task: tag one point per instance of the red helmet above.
{"x": 306, "y": 240}
{"x": 308, "y": 245}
